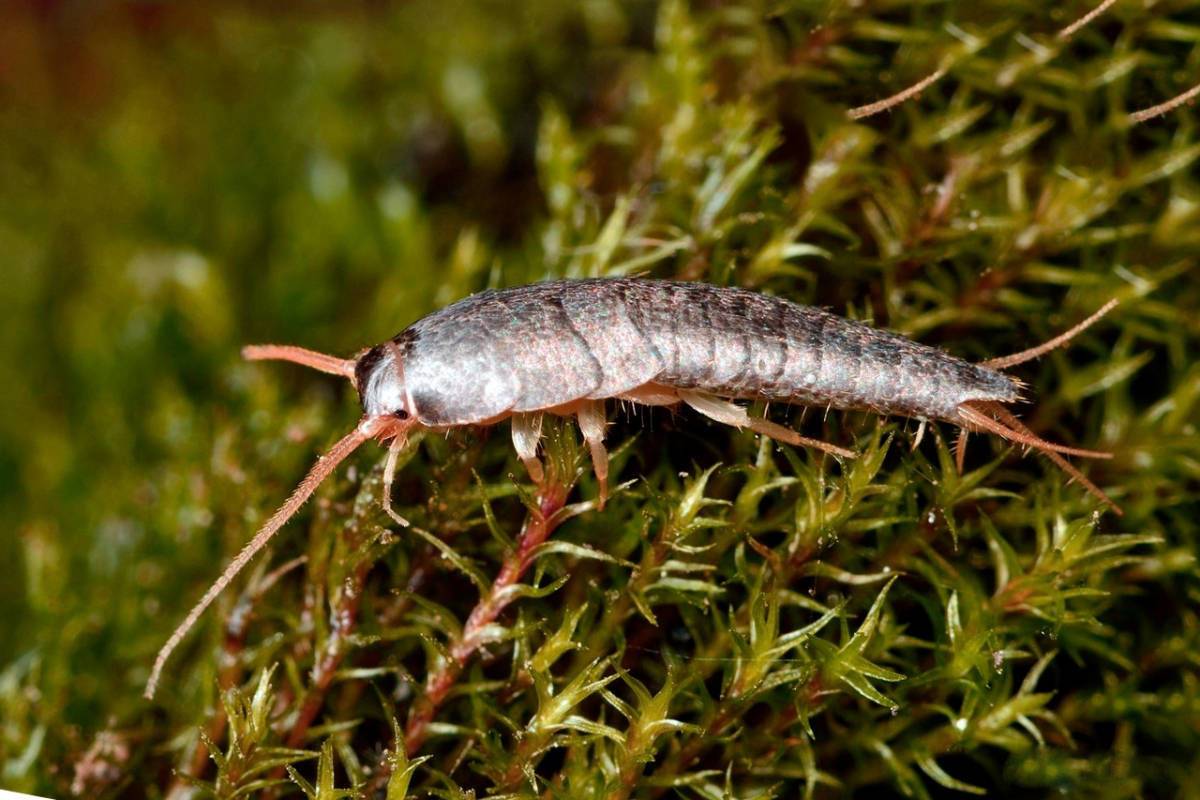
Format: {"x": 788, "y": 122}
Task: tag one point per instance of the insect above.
{"x": 565, "y": 347}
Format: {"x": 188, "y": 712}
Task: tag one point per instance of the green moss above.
{"x": 742, "y": 619}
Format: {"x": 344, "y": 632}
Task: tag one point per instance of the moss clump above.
{"x": 742, "y": 619}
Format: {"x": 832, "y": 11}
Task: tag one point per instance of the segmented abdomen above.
{"x": 737, "y": 343}
{"x": 549, "y": 344}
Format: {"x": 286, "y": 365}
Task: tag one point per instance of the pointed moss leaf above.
{"x": 326, "y": 789}
{"x": 610, "y": 237}
{"x": 824, "y": 570}
{"x": 1005, "y": 562}
{"x": 460, "y": 563}
{"x": 866, "y": 630}
{"x": 931, "y": 768}
{"x": 1035, "y": 672}
{"x": 577, "y": 550}
{"x": 254, "y": 788}
{"x": 553, "y": 708}
{"x": 693, "y": 499}
{"x": 908, "y": 782}
{"x": 638, "y": 598}
{"x": 785, "y": 676}
{"x": 524, "y": 590}
{"x": 560, "y": 642}
{"x": 1164, "y": 163}
{"x": 584, "y": 725}
{"x": 450, "y": 730}
{"x": 1088, "y": 381}
{"x": 687, "y": 585}
{"x": 856, "y": 663}
{"x": 847, "y": 663}
{"x": 493, "y": 525}
{"x": 268, "y": 759}
{"x": 953, "y": 622}
{"x": 719, "y": 191}
{"x": 803, "y": 249}
{"x": 434, "y": 615}
{"x": 625, "y": 710}
{"x": 309, "y": 791}
{"x": 402, "y": 767}
{"x": 674, "y": 565}
{"x": 1010, "y": 711}
{"x": 1026, "y": 723}
{"x": 800, "y": 635}
{"x": 663, "y": 251}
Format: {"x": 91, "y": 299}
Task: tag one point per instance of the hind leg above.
{"x": 592, "y": 422}
{"x": 732, "y": 414}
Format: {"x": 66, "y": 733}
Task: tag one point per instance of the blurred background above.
{"x": 181, "y": 179}
{"x": 177, "y": 180}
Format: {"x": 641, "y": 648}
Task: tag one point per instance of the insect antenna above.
{"x": 1014, "y": 430}
{"x": 1004, "y": 362}
{"x": 319, "y": 472}
{"x": 299, "y": 355}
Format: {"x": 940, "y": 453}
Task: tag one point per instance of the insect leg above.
{"x": 389, "y": 475}
{"x": 732, "y": 414}
{"x": 591, "y": 422}
{"x": 526, "y": 433}
{"x": 920, "y": 435}
{"x": 652, "y": 394}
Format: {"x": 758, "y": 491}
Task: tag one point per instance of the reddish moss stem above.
{"x": 237, "y": 625}
{"x": 345, "y": 619}
{"x": 538, "y": 527}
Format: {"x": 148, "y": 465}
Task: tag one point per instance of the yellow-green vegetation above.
{"x": 743, "y": 619}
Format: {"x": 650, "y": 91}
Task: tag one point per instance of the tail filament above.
{"x": 995, "y": 418}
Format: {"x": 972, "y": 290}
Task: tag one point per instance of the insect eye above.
{"x": 401, "y": 414}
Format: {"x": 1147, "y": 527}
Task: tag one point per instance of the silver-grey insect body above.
{"x": 548, "y": 345}
{"x": 565, "y": 347}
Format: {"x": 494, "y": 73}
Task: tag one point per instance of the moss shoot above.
{"x": 742, "y": 619}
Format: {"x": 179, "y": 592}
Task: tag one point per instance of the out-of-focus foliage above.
{"x": 742, "y": 620}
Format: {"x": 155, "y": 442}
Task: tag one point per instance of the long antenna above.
{"x": 299, "y": 355}
{"x": 319, "y": 472}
